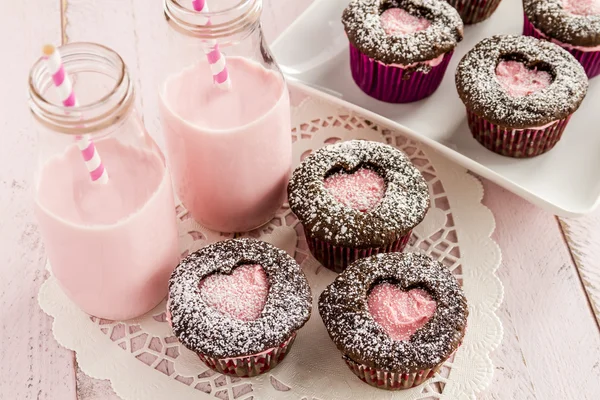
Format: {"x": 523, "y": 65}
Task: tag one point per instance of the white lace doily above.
{"x": 143, "y": 360}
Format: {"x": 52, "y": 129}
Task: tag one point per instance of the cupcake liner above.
{"x": 395, "y": 84}
{"x": 517, "y": 143}
{"x": 384, "y": 379}
{"x": 337, "y": 258}
{"x": 589, "y": 60}
{"x": 473, "y": 11}
{"x": 245, "y": 367}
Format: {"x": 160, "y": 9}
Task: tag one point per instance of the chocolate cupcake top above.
{"x": 554, "y": 19}
{"x": 204, "y": 329}
{"x": 483, "y": 94}
{"x": 344, "y": 310}
{"x": 362, "y": 22}
{"x": 403, "y": 206}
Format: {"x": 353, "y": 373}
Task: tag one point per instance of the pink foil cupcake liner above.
{"x": 337, "y": 258}
{"x": 518, "y": 143}
{"x": 389, "y": 380}
{"x": 474, "y": 11}
{"x": 395, "y": 84}
{"x": 245, "y": 367}
{"x": 589, "y": 60}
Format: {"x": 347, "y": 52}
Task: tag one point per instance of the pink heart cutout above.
{"x": 400, "y": 313}
{"x": 241, "y": 295}
{"x": 362, "y": 189}
{"x": 520, "y": 80}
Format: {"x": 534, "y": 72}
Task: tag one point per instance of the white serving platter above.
{"x": 566, "y": 181}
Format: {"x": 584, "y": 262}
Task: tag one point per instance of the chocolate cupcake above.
{"x": 395, "y": 317}
{"x": 238, "y": 305}
{"x": 572, "y": 24}
{"x": 474, "y": 11}
{"x": 520, "y": 93}
{"x": 356, "y": 199}
{"x": 400, "y": 49}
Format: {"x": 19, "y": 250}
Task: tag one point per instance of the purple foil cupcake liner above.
{"x": 395, "y": 84}
{"x": 252, "y": 365}
{"x": 518, "y": 143}
{"x": 389, "y": 380}
{"x": 589, "y": 60}
{"x": 474, "y": 11}
{"x": 337, "y": 258}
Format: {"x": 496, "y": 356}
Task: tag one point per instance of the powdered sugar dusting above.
{"x": 482, "y": 93}
{"x": 344, "y": 309}
{"x": 361, "y": 190}
{"x": 363, "y": 25}
{"x": 402, "y": 207}
{"x": 241, "y": 295}
{"x": 204, "y": 329}
{"x": 400, "y": 313}
{"x": 396, "y": 21}
{"x": 575, "y": 22}
{"x": 518, "y": 80}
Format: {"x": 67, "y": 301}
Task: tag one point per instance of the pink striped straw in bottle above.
{"x": 218, "y": 65}
{"x": 65, "y": 90}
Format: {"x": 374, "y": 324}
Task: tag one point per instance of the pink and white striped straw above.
{"x": 218, "y": 65}
{"x": 65, "y": 90}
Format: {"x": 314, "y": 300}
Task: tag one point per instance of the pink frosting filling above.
{"x": 396, "y": 21}
{"x": 518, "y": 80}
{"x": 432, "y": 63}
{"x": 400, "y": 313}
{"x": 241, "y": 295}
{"x": 582, "y": 7}
{"x": 567, "y": 45}
{"x": 361, "y": 190}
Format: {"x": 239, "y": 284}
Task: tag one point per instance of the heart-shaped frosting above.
{"x": 241, "y": 295}
{"x": 582, "y": 7}
{"x": 362, "y": 189}
{"x": 400, "y": 313}
{"x": 396, "y": 21}
{"x": 519, "y": 80}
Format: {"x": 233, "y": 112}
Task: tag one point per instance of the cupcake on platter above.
{"x": 356, "y": 199}
{"x": 238, "y": 304}
{"x": 400, "y": 49}
{"x": 520, "y": 93}
{"x": 395, "y": 317}
{"x": 572, "y": 24}
{"x": 474, "y": 11}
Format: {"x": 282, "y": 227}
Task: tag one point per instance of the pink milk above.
{"x": 112, "y": 247}
{"x": 229, "y": 152}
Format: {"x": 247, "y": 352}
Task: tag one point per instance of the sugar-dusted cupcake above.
{"x": 238, "y": 305}
{"x": 519, "y": 93}
{"x": 400, "y": 49}
{"x": 572, "y": 24}
{"x": 356, "y": 199}
{"x": 474, "y": 11}
{"x": 395, "y": 317}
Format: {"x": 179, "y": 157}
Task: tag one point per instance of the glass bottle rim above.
{"x": 87, "y": 118}
{"x": 230, "y": 21}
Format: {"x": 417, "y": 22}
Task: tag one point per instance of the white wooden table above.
{"x": 551, "y": 346}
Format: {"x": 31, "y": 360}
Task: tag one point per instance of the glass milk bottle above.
{"x": 103, "y": 195}
{"x": 225, "y": 114}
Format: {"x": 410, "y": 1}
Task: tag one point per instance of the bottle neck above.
{"x": 101, "y": 85}
{"x": 226, "y": 21}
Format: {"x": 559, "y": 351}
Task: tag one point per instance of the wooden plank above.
{"x": 33, "y": 364}
{"x": 94, "y": 389}
{"x": 551, "y": 346}
{"x": 583, "y": 237}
